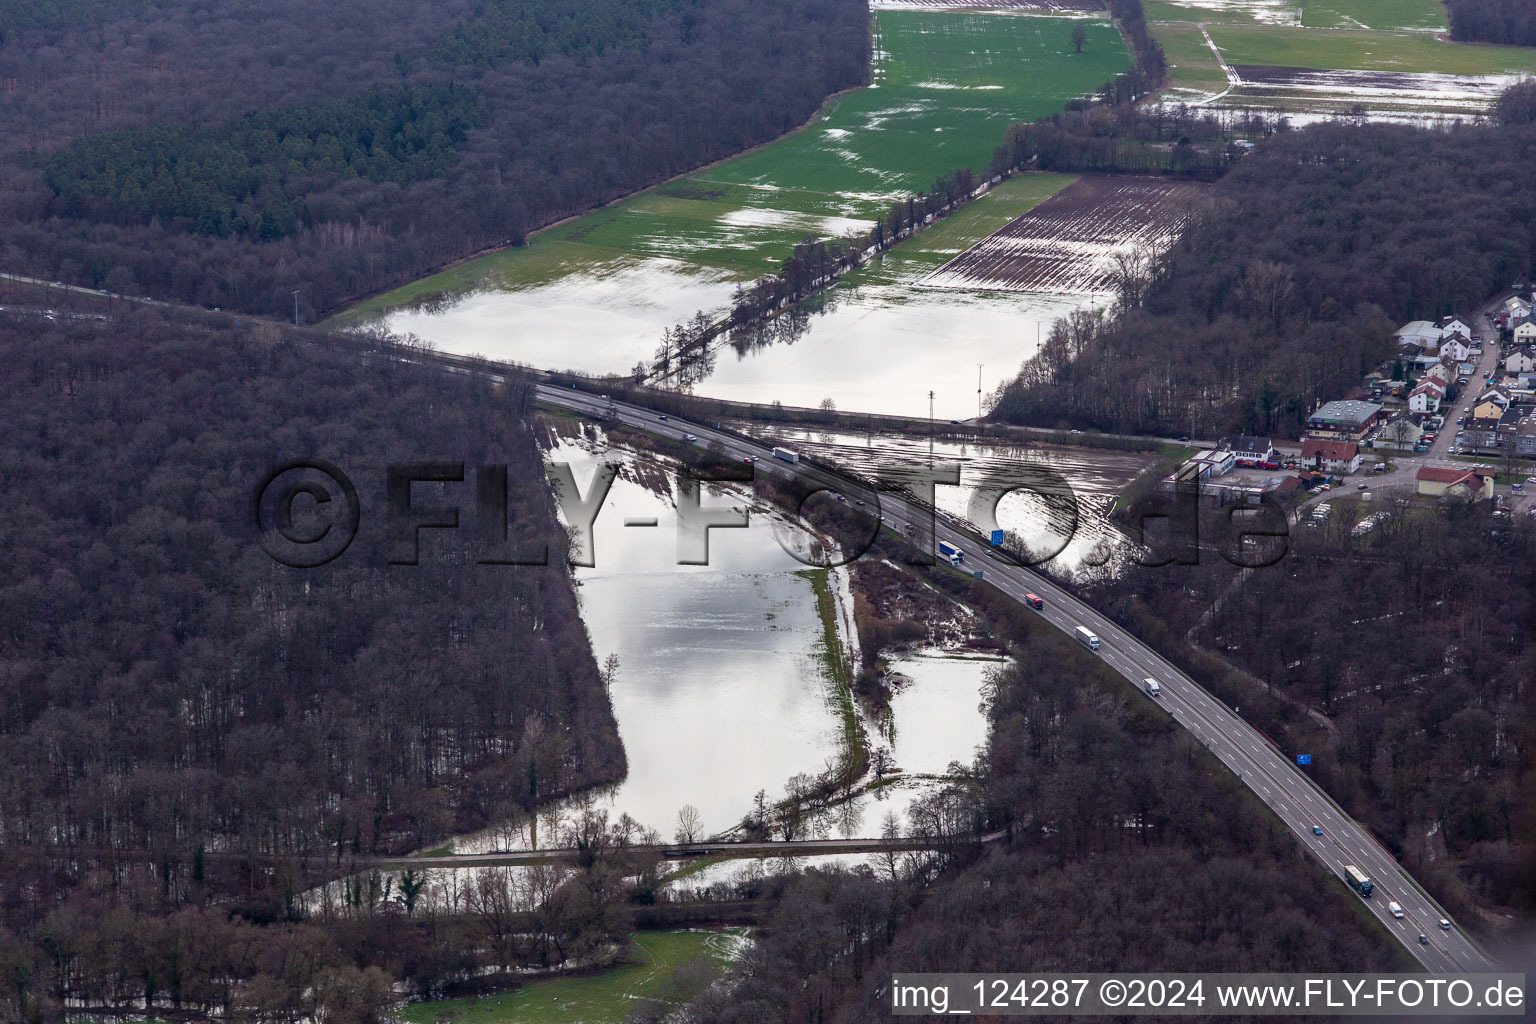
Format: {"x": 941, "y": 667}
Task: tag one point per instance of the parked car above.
{"x": 1364, "y": 486}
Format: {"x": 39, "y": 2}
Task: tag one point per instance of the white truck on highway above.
{"x": 950, "y": 553}
{"x": 786, "y": 455}
{"x": 1086, "y": 637}
{"x": 1153, "y": 689}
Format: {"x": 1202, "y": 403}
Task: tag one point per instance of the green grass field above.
{"x": 946, "y": 86}
{"x": 1357, "y": 50}
{"x": 1421, "y": 15}
{"x": 603, "y": 998}
{"x": 1190, "y": 59}
{"x": 949, "y": 86}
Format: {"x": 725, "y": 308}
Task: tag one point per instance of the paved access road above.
{"x": 1300, "y": 803}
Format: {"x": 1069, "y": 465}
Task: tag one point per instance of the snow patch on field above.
{"x": 1307, "y": 95}
{"x": 1269, "y": 12}
{"x": 951, "y": 85}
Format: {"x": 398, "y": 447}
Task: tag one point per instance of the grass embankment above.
{"x": 835, "y": 667}
{"x": 946, "y": 85}
{"x": 605, "y": 998}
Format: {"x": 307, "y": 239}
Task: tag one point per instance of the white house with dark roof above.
{"x": 1248, "y": 450}
{"x": 1455, "y": 347}
{"x": 1454, "y": 324}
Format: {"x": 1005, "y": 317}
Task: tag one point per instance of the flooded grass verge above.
{"x": 602, "y": 998}
{"x": 834, "y": 662}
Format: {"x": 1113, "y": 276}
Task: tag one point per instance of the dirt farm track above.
{"x": 1068, "y": 244}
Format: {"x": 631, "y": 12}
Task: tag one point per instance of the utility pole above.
{"x": 295, "y": 307}
{"x": 930, "y": 428}
{"x": 978, "y": 392}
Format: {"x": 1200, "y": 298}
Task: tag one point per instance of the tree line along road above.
{"x": 1292, "y": 796}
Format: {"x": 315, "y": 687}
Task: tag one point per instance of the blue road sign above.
{"x": 1303, "y": 758}
{"x": 997, "y": 538}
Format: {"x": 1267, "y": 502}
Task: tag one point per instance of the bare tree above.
{"x": 1079, "y": 37}
{"x": 689, "y": 825}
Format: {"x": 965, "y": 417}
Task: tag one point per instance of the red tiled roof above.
{"x": 1446, "y": 475}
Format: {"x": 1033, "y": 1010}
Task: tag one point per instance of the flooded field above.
{"x": 1382, "y": 95}
{"x": 595, "y": 293}
{"x": 599, "y": 319}
{"x": 1080, "y": 533}
{"x": 884, "y": 347}
{"x": 1070, "y": 243}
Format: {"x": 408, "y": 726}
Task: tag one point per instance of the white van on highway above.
{"x": 1153, "y": 689}
{"x": 1396, "y": 909}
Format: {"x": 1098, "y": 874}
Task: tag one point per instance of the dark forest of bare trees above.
{"x": 1492, "y": 21}
{"x": 345, "y": 149}
{"x": 187, "y": 724}
{"x": 1287, "y": 284}
{"x": 1422, "y": 724}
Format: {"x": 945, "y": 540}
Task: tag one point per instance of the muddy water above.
{"x": 721, "y": 690}
{"x": 599, "y": 320}
{"x": 883, "y": 348}
{"x": 1094, "y": 477}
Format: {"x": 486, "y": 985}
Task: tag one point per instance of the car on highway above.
{"x": 1423, "y": 939}
{"x": 690, "y": 437}
{"x": 1076, "y": 431}
{"x": 750, "y": 459}
{"x": 1395, "y": 909}
{"x": 1445, "y": 925}
{"x": 1317, "y": 830}
{"x": 1184, "y": 439}
{"x": 661, "y": 416}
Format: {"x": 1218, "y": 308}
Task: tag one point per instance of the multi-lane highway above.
{"x": 1293, "y": 797}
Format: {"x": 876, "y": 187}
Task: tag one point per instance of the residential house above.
{"x": 1440, "y": 373}
{"x": 1450, "y": 482}
{"x": 1454, "y": 325}
{"x": 1333, "y": 456}
{"x": 1455, "y": 347}
{"x": 1348, "y": 420}
{"x": 1491, "y": 403}
{"x": 1525, "y": 334}
{"x": 1426, "y": 398}
{"x": 1401, "y": 433}
{"x": 1516, "y": 311}
{"x": 1513, "y": 430}
{"x": 1521, "y": 360}
{"x": 1252, "y": 451}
